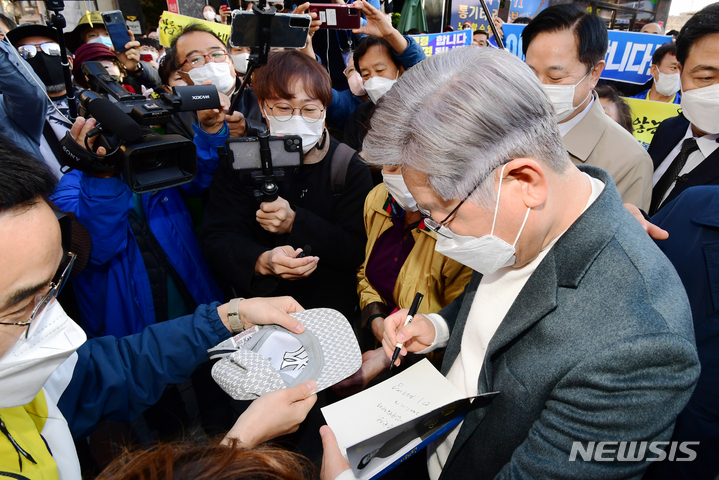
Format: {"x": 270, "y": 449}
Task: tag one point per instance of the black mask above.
{"x": 47, "y": 67}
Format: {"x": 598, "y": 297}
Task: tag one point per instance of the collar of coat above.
{"x": 581, "y": 140}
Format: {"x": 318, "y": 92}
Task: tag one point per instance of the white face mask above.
{"x": 217, "y": 73}
{"x": 240, "y": 61}
{"x": 377, "y": 86}
{"x": 701, "y": 107}
{"x": 296, "y": 125}
{"x": 668, "y": 84}
{"x": 398, "y": 189}
{"x": 562, "y": 97}
{"x": 102, "y": 39}
{"x": 25, "y": 368}
{"x": 209, "y": 15}
{"x": 486, "y": 254}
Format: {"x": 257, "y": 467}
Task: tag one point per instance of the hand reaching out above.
{"x": 274, "y": 414}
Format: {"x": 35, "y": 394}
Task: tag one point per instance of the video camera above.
{"x": 147, "y": 160}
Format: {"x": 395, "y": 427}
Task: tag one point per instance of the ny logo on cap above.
{"x": 295, "y": 360}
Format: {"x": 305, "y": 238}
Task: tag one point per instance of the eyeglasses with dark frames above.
{"x": 56, "y": 285}
{"x": 432, "y": 223}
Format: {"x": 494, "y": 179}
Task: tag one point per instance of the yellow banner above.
{"x": 171, "y": 24}
{"x": 647, "y": 115}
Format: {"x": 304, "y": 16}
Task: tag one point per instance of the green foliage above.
{"x": 395, "y": 19}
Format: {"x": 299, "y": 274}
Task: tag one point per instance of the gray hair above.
{"x": 458, "y": 116}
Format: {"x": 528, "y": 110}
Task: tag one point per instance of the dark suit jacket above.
{"x": 692, "y": 221}
{"x": 598, "y": 346}
{"x": 668, "y": 134}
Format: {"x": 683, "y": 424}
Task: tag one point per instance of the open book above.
{"x": 383, "y": 426}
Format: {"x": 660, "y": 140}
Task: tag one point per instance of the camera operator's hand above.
{"x": 131, "y": 57}
{"x": 282, "y": 262}
{"x": 379, "y": 25}
{"x": 212, "y": 120}
{"x": 78, "y": 132}
{"x": 274, "y": 414}
{"x": 276, "y": 217}
{"x": 236, "y": 123}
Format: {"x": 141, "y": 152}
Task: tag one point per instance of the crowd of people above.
{"x": 562, "y": 264}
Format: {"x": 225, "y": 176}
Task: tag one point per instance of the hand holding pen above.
{"x": 408, "y": 319}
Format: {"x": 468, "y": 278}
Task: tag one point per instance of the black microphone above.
{"x": 307, "y": 251}
{"x": 114, "y": 119}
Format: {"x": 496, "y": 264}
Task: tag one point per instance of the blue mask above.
{"x": 102, "y": 39}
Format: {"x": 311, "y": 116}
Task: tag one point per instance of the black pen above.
{"x": 412, "y": 312}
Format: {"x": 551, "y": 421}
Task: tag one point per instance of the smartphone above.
{"x": 336, "y": 17}
{"x": 115, "y": 25}
{"x": 287, "y": 30}
{"x": 146, "y": 57}
{"x": 244, "y": 152}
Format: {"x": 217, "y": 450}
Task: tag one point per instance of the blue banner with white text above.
{"x": 629, "y": 56}
{"x": 441, "y": 42}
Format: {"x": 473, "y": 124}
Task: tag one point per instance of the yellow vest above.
{"x": 439, "y": 278}
{"x": 25, "y": 425}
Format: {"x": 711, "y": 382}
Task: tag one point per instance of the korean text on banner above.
{"x": 526, "y": 8}
{"x": 171, "y": 24}
{"x": 629, "y": 54}
{"x": 471, "y": 10}
{"x": 442, "y": 42}
{"x": 647, "y": 115}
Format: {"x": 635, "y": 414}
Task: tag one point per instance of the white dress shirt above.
{"x": 565, "y": 127}
{"x": 707, "y": 144}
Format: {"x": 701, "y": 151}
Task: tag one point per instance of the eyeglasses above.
{"x": 31, "y": 51}
{"x": 56, "y": 285}
{"x": 199, "y": 60}
{"x": 283, "y": 112}
{"x": 430, "y": 223}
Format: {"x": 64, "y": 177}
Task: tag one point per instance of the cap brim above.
{"x": 24, "y": 31}
{"x": 340, "y": 351}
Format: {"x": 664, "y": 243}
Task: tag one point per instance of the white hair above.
{"x": 458, "y": 116}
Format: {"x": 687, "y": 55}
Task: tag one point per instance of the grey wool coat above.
{"x": 598, "y": 346}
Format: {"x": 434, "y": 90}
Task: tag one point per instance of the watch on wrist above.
{"x": 233, "y": 315}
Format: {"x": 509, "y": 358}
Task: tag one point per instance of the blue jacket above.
{"x": 645, "y": 96}
{"x": 116, "y": 379}
{"x": 344, "y": 103}
{"x": 692, "y": 221}
{"x": 113, "y": 291}
{"x": 24, "y": 103}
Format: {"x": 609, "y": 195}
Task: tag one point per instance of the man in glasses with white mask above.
{"x": 55, "y": 385}
{"x": 573, "y": 315}
{"x": 565, "y": 46}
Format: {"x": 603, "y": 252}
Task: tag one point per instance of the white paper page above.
{"x": 414, "y": 392}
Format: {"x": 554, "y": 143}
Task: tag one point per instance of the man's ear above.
{"x": 597, "y": 72}
{"x": 654, "y": 72}
{"x": 532, "y": 180}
